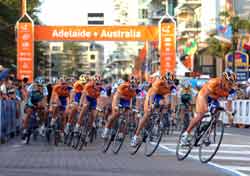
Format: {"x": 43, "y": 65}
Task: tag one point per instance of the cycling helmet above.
{"x": 83, "y": 79}
{"x": 229, "y": 75}
{"x": 186, "y": 84}
{"x": 168, "y": 76}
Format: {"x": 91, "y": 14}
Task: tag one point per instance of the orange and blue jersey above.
{"x": 63, "y": 92}
{"x": 78, "y": 88}
{"x": 92, "y": 91}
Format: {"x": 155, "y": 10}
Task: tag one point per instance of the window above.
{"x": 92, "y": 65}
{"x": 56, "y": 48}
{"x": 92, "y": 57}
{"x": 143, "y": 13}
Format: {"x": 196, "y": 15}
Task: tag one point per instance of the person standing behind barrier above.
{"x": 248, "y": 89}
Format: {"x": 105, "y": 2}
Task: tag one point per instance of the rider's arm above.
{"x": 116, "y": 99}
{"x": 173, "y": 98}
{"x": 72, "y": 96}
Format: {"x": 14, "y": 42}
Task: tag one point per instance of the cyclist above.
{"x": 91, "y": 91}
{"x": 186, "y": 97}
{"x": 36, "y": 100}
{"x": 75, "y": 98}
{"x": 209, "y": 94}
{"x": 125, "y": 92}
{"x": 59, "y": 100}
{"x": 159, "y": 91}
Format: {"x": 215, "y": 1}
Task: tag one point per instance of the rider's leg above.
{"x": 114, "y": 116}
{"x": 201, "y": 109}
{"x": 148, "y": 102}
{"x": 28, "y": 112}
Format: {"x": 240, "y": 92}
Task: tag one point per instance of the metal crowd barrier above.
{"x": 9, "y": 122}
{"x": 242, "y": 108}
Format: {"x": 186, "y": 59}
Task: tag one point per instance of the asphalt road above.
{"x": 233, "y": 155}
{"x": 40, "y": 159}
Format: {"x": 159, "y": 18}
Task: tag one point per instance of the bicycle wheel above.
{"x": 108, "y": 141}
{"x": 27, "y": 137}
{"x": 186, "y": 121}
{"x": 182, "y": 151}
{"x": 210, "y": 141}
{"x": 134, "y": 150}
{"x": 119, "y": 137}
{"x": 56, "y": 137}
{"x": 70, "y": 138}
{"x": 48, "y": 135}
{"x": 153, "y": 139}
{"x": 76, "y": 140}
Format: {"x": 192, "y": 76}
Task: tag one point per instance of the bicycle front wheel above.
{"x": 119, "y": 137}
{"x": 153, "y": 140}
{"x": 182, "y": 151}
{"x": 210, "y": 141}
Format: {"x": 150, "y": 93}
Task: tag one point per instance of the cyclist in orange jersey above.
{"x": 207, "y": 99}
{"x": 122, "y": 97}
{"x": 75, "y": 98}
{"x": 91, "y": 92}
{"x": 159, "y": 91}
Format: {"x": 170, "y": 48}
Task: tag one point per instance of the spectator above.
{"x": 248, "y": 89}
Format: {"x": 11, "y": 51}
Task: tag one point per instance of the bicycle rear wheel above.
{"x": 119, "y": 137}
{"x": 153, "y": 139}
{"x": 210, "y": 141}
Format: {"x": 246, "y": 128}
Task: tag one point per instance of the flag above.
{"x": 143, "y": 53}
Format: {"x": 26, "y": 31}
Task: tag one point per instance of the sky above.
{"x": 74, "y": 12}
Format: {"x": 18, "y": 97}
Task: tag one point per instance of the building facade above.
{"x": 86, "y": 58}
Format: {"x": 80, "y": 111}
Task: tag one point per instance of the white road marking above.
{"x": 224, "y": 168}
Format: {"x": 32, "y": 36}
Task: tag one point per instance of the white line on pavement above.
{"x": 223, "y": 168}
{"x": 222, "y": 145}
{"x": 223, "y": 151}
{"x": 241, "y": 168}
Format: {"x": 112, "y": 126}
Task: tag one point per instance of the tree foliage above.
{"x": 217, "y": 48}
{"x": 9, "y": 14}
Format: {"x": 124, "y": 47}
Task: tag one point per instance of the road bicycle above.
{"x": 85, "y": 134}
{"x": 52, "y": 132}
{"x": 118, "y": 133}
{"x": 33, "y": 127}
{"x": 153, "y": 132}
{"x": 207, "y": 136}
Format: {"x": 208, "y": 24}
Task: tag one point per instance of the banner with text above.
{"x": 100, "y": 33}
{"x": 241, "y": 64}
{"x": 25, "y": 47}
{"x": 167, "y": 48}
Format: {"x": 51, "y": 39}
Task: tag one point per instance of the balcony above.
{"x": 186, "y": 5}
{"x": 157, "y": 14}
{"x": 189, "y": 27}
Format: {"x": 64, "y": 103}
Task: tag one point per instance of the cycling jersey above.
{"x": 35, "y": 97}
{"x": 31, "y": 88}
{"x": 63, "y": 92}
{"x": 126, "y": 91}
{"x": 92, "y": 90}
{"x": 162, "y": 88}
{"x": 78, "y": 88}
{"x": 217, "y": 89}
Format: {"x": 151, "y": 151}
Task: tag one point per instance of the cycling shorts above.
{"x": 124, "y": 103}
{"x": 92, "y": 102}
{"x": 213, "y": 104}
{"x": 63, "y": 101}
{"x": 157, "y": 99}
{"x": 77, "y": 97}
